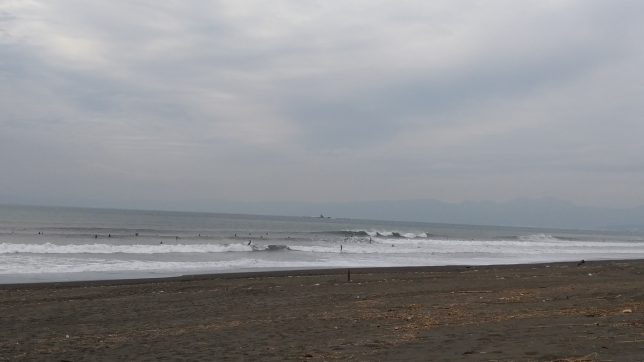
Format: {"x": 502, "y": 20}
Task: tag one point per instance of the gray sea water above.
{"x": 60, "y": 244}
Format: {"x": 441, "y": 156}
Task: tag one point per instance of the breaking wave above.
{"x": 49, "y": 248}
{"x": 271, "y": 248}
{"x": 381, "y": 234}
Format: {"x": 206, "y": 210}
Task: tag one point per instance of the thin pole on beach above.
{"x": 348, "y": 275}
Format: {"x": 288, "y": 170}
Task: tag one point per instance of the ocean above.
{"x": 45, "y": 244}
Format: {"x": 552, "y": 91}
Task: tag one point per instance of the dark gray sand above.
{"x": 563, "y": 312}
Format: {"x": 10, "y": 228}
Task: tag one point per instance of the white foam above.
{"x": 34, "y": 265}
{"x": 529, "y": 245}
{"x": 354, "y": 249}
{"x": 452, "y": 246}
{"x": 44, "y": 258}
{"x": 526, "y": 242}
{"x": 388, "y": 233}
{"x": 50, "y": 248}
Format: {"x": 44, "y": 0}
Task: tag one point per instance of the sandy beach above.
{"x": 548, "y": 312}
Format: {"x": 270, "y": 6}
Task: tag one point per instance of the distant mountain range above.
{"x": 543, "y": 213}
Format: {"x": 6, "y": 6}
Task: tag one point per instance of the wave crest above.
{"x": 382, "y": 234}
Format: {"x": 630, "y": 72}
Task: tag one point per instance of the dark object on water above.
{"x": 249, "y": 241}
{"x": 581, "y": 262}
{"x": 277, "y": 248}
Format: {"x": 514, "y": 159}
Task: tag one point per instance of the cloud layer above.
{"x": 137, "y": 103}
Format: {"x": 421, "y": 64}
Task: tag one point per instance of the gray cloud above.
{"x": 132, "y": 102}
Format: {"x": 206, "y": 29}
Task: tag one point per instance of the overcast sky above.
{"x": 141, "y": 103}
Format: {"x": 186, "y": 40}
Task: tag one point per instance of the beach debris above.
{"x": 627, "y": 310}
{"x": 582, "y": 262}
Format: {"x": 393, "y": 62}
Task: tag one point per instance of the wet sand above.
{"x": 566, "y": 312}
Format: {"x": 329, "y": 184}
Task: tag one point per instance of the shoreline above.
{"x": 530, "y": 312}
{"x": 291, "y": 272}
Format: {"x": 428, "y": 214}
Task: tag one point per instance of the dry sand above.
{"x": 591, "y": 312}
